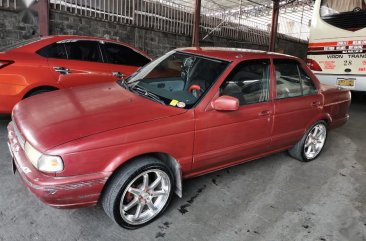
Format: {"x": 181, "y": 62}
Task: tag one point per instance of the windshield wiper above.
{"x": 144, "y": 92}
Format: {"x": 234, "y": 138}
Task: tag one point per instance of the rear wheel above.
{"x": 311, "y": 144}
{"x": 138, "y": 193}
{"x": 38, "y": 91}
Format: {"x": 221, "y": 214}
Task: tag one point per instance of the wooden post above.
{"x": 196, "y": 24}
{"x": 43, "y": 17}
{"x": 274, "y": 25}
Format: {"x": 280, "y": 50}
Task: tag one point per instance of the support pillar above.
{"x": 274, "y": 25}
{"x": 43, "y": 17}
{"x": 196, "y": 24}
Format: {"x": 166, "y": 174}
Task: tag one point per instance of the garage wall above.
{"x": 16, "y": 26}
{"x": 153, "y": 42}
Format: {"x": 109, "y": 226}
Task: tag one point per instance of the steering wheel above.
{"x": 196, "y": 90}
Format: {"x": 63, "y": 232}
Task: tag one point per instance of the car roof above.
{"x": 45, "y": 40}
{"x": 232, "y": 54}
{"x": 64, "y": 37}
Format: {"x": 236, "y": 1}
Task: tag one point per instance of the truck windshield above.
{"x": 179, "y": 79}
{"x": 349, "y": 15}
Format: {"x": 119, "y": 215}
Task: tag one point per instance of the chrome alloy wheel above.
{"x": 315, "y": 141}
{"x": 145, "y": 196}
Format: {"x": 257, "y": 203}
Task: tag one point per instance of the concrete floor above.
{"x": 274, "y": 198}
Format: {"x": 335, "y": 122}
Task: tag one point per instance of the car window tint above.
{"x": 119, "y": 54}
{"x": 288, "y": 82}
{"x": 83, "y": 50}
{"x": 308, "y": 86}
{"x": 248, "y": 82}
{"x": 56, "y": 50}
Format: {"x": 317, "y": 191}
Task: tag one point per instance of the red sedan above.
{"x": 50, "y": 63}
{"x": 129, "y": 144}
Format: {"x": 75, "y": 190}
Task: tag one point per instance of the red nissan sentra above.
{"x": 44, "y": 64}
{"x": 130, "y": 144}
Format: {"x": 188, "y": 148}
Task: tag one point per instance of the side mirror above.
{"x": 225, "y": 103}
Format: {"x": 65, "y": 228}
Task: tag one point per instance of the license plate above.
{"x": 346, "y": 82}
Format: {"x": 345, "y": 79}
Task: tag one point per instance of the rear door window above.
{"x": 308, "y": 86}
{"x": 56, "y": 50}
{"x": 83, "y": 50}
{"x": 292, "y": 80}
{"x": 288, "y": 82}
{"x": 119, "y": 54}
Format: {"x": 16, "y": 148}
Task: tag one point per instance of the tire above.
{"x": 126, "y": 193}
{"x": 302, "y": 150}
{"x": 37, "y": 92}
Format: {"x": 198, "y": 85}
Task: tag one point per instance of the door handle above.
{"x": 265, "y": 113}
{"x": 315, "y": 104}
{"x": 61, "y": 70}
{"x": 118, "y": 74}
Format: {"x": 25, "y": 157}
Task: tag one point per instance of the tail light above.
{"x": 313, "y": 65}
{"x": 4, "y": 63}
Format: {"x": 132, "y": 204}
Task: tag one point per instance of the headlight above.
{"x": 32, "y": 154}
{"x": 42, "y": 162}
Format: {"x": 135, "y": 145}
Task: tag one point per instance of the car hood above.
{"x": 55, "y": 118}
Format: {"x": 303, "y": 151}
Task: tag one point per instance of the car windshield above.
{"x": 333, "y": 7}
{"x": 18, "y": 44}
{"x": 178, "y": 79}
{"x": 349, "y": 15}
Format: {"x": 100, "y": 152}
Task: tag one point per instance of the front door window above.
{"x": 248, "y": 82}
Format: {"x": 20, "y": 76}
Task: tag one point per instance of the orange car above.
{"x": 55, "y": 62}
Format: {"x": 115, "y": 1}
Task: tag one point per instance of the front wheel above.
{"x": 138, "y": 193}
{"x": 311, "y": 144}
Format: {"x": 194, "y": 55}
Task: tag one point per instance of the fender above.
{"x": 321, "y": 116}
{"x": 37, "y": 85}
{"x": 131, "y": 153}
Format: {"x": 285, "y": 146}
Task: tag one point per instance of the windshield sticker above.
{"x": 181, "y": 104}
{"x": 174, "y": 103}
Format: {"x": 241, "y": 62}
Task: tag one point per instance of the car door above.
{"x": 122, "y": 60}
{"x": 84, "y": 64}
{"x": 224, "y": 137}
{"x": 296, "y": 103}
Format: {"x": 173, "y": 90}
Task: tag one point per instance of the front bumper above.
{"x": 59, "y": 192}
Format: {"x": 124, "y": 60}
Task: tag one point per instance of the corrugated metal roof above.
{"x": 294, "y": 19}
